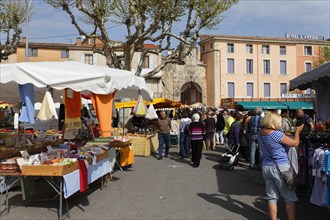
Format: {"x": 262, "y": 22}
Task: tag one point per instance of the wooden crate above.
{"x": 143, "y": 146}
{"x": 48, "y": 170}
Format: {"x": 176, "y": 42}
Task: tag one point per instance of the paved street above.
{"x": 167, "y": 189}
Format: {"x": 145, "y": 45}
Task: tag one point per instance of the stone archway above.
{"x": 191, "y": 93}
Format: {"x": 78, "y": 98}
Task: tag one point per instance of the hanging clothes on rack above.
{"x": 72, "y": 121}
{"x": 27, "y": 96}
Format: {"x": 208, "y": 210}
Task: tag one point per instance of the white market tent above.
{"x": 74, "y": 75}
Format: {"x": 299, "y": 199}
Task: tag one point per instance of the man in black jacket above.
{"x": 220, "y": 125}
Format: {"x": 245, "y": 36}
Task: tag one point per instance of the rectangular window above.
{"x": 283, "y": 88}
{"x": 266, "y": 66}
{"x": 211, "y": 45}
{"x": 230, "y": 66}
{"x": 265, "y": 49}
{"x": 33, "y": 52}
{"x": 282, "y": 50}
{"x": 249, "y": 89}
{"x": 308, "y": 66}
{"x": 230, "y": 48}
{"x": 308, "y": 51}
{"x": 146, "y": 62}
{"x": 64, "y": 54}
{"x": 249, "y": 48}
{"x": 89, "y": 59}
{"x": 266, "y": 90}
{"x": 231, "y": 90}
{"x": 249, "y": 66}
{"x": 309, "y": 91}
{"x": 283, "y": 67}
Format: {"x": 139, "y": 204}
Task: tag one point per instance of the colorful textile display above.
{"x": 102, "y": 105}
{"x": 140, "y": 109}
{"x": 151, "y": 113}
{"x": 72, "y": 102}
{"x": 27, "y": 96}
{"x": 83, "y": 176}
{"x": 47, "y": 111}
{"x": 126, "y": 156}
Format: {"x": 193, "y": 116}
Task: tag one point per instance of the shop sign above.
{"x": 298, "y": 95}
{"x": 305, "y": 37}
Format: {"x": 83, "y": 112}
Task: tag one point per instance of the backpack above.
{"x": 186, "y": 129}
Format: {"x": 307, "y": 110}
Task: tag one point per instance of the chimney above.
{"x": 23, "y": 40}
{"x": 78, "y": 41}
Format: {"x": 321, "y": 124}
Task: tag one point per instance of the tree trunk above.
{"x": 128, "y": 57}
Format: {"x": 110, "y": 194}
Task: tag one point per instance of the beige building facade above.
{"x": 254, "y": 67}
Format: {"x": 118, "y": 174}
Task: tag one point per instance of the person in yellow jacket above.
{"x": 228, "y": 123}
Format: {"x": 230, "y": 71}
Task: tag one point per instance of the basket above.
{"x": 8, "y": 139}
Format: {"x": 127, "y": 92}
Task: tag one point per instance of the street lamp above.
{"x": 28, "y": 5}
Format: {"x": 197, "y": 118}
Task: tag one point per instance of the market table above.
{"x": 66, "y": 185}
{"x": 144, "y": 145}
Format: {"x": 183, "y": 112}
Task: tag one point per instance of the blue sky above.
{"x": 271, "y": 18}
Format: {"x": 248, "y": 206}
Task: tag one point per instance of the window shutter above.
{"x": 95, "y": 61}
{"x": 82, "y": 58}
{"x": 151, "y": 61}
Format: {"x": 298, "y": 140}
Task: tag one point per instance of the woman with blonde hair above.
{"x": 274, "y": 147}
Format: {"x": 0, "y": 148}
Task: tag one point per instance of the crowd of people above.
{"x": 273, "y": 134}
{"x": 223, "y": 127}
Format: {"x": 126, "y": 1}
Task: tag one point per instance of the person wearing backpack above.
{"x": 184, "y": 135}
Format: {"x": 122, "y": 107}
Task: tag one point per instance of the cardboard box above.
{"x": 48, "y": 170}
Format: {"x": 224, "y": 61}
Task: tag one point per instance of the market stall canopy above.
{"x": 305, "y": 80}
{"x": 74, "y": 75}
{"x": 262, "y": 105}
{"x": 197, "y": 105}
{"x": 319, "y": 80}
{"x": 158, "y": 103}
{"x": 298, "y": 105}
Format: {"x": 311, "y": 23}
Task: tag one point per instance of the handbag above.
{"x": 290, "y": 177}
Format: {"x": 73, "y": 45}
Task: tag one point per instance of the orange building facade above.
{"x": 254, "y": 67}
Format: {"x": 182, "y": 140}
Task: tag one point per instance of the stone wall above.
{"x": 175, "y": 76}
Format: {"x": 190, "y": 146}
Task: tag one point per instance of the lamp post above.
{"x": 28, "y": 5}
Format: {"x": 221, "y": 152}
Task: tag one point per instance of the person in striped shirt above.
{"x": 197, "y": 132}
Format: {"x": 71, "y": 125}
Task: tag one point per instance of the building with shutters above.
{"x": 243, "y": 67}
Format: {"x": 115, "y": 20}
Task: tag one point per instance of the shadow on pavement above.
{"x": 234, "y": 205}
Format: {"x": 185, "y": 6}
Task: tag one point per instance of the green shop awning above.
{"x": 298, "y": 105}
{"x": 262, "y": 105}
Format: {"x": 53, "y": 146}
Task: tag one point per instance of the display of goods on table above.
{"x": 9, "y": 166}
{"x": 143, "y": 145}
{"x": 120, "y": 142}
{"x": 59, "y": 169}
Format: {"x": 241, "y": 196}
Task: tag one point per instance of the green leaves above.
{"x": 156, "y": 21}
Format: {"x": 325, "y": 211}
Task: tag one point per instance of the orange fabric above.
{"x": 72, "y": 105}
{"x": 102, "y": 105}
{"x": 126, "y": 156}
